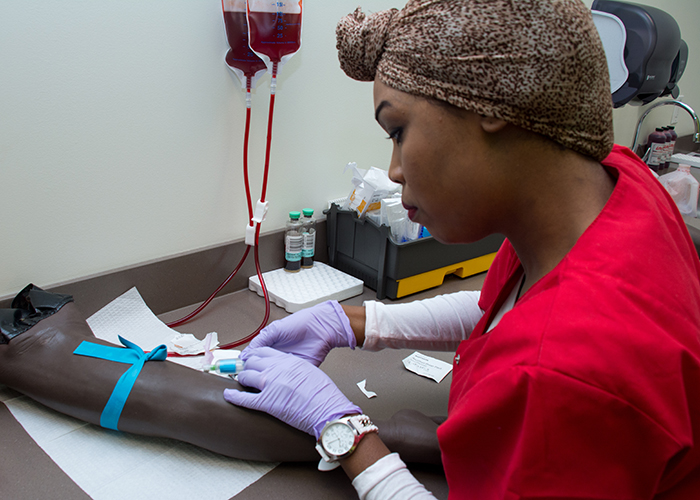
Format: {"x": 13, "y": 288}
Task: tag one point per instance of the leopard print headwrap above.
{"x": 538, "y": 64}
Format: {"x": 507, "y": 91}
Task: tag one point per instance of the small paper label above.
{"x": 362, "y": 385}
{"x": 426, "y": 366}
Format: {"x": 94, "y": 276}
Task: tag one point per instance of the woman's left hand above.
{"x": 291, "y": 389}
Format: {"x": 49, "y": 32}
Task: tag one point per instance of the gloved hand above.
{"x": 293, "y": 390}
{"x": 310, "y": 333}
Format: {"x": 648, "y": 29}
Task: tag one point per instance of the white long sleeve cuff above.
{"x": 436, "y": 324}
{"x": 389, "y": 479}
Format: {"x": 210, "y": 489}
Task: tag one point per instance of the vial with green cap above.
{"x": 293, "y": 242}
{"x": 309, "y": 242}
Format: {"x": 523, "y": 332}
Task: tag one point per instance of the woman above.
{"x": 576, "y": 373}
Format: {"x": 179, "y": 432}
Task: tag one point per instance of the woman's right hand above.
{"x": 309, "y": 334}
{"x": 290, "y": 389}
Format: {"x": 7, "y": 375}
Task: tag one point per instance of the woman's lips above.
{"x": 411, "y": 211}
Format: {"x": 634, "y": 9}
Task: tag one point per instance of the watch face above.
{"x": 338, "y": 439}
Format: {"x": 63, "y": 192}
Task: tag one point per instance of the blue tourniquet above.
{"x": 134, "y": 356}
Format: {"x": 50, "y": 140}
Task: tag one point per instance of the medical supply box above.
{"x": 364, "y": 249}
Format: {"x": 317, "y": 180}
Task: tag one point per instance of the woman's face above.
{"x": 441, "y": 158}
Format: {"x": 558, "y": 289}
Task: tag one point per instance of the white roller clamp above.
{"x": 260, "y": 211}
{"x": 258, "y": 216}
{"x": 250, "y": 235}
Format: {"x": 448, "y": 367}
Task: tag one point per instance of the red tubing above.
{"x": 211, "y": 297}
{"x": 249, "y": 337}
{"x": 266, "y": 170}
{"x": 246, "y": 136}
{"x": 268, "y": 146}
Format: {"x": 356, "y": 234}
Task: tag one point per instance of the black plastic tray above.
{"x": 365, "y": 250}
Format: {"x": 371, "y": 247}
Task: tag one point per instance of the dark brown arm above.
{"x": 170, "y": 400}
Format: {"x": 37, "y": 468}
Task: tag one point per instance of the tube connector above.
{"x": 250, "y": 235}
{"x": 260, "y": 211}
{"x": 226, "y": 366}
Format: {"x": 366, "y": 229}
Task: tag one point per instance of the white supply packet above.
{"x": 370, "y": 186}
{"x": 394, "y": 215}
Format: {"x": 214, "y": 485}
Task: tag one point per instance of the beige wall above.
{"x": 121, "y": 130}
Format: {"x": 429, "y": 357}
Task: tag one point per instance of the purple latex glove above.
{"x": 310, "y": 333}
{"x": 292, "y": 390}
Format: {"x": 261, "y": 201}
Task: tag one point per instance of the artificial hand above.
{"x": 310, "y": 333}
{"x": 291, "y": 389}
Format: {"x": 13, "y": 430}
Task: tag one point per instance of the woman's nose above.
{"x": 395, "y": 172}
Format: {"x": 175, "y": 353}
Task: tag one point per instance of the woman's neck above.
{"x": 557, "y": 200}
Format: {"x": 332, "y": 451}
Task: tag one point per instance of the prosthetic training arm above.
{"x": 40, "y": 334}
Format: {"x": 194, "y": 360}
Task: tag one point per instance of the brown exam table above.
{"x": 26, "y": 472}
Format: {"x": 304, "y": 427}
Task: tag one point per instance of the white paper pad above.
{"x": 129, "y": 316}
{"x": 111, "y": 465}
{"x": 426, "y": 366}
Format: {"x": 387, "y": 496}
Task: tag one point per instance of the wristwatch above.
{"x": 340, "y": 437}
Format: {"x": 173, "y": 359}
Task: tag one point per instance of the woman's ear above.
{"x": 491, "y": 124}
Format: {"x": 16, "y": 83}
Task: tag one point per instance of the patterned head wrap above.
{"x": 538, "y": 64}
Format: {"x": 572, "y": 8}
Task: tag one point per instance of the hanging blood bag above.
{"x": 242, "y": 61}
{"x": 274, "y": 30}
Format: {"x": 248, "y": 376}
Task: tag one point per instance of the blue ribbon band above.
{"x": 132, "y": 355}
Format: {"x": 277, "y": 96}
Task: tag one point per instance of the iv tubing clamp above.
{"x": 250, "y": 235}
{"x": 260, "y": 211}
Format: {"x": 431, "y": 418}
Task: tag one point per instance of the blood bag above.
{"x": 244, "y": 63}
{"x": 274, "y": 30}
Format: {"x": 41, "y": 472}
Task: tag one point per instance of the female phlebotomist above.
{"x": 577, "y": 367}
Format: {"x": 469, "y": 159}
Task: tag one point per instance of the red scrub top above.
{"x": 590, "y": 386}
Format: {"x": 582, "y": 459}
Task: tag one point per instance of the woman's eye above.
{"x": 395, "y": 135}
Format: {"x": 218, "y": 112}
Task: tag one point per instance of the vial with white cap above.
{"x": 226, "y": 366}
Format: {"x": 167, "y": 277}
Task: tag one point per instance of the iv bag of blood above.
{"x": 242, "y": 61}
{"x": 274, "y": 30}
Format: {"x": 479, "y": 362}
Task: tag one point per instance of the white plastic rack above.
{"x": 692, "y": 159}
